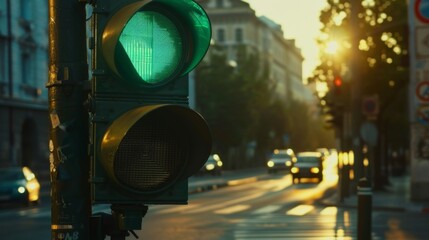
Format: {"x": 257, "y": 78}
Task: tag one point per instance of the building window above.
{"x": 25, "y": 68}
{"x": 239, "y": 35}
{"x": 219, "y": 3}
{"x": 221, "y": 35}
{"x": 2, "y": 60}
{"x": 25, "y": 9}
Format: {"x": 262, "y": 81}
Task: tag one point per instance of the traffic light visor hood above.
{"x": 150, "y": 148}
{"x": 151, "y": 42}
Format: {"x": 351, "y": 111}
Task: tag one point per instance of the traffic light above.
{"x": 144, "y": 140}
{"x": 337, "y": 85}
{"x": 334, "y": 116}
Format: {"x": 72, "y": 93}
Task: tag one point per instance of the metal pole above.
{"x": 356, "y": 91}
{"x": 12, "y": 159}
{"x": 364, "y": 210}
{"x": 68, "y": 143}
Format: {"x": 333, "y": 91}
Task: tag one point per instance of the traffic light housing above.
{"x": 332, "y": 110}
{"x": 144, "y": 140}
{"x": 334, "y": 116}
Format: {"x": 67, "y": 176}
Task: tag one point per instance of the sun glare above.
{"x": 332, "y": 47}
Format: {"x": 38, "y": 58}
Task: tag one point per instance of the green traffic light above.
{"x": 153, "y": 42}
{"x": 149, "y": 142}
{"x": 153, "y": 45}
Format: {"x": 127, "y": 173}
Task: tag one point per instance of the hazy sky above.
{"x": 299, "y": 20}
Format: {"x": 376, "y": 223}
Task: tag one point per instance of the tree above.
{"x": 232, "y": 98}
{"x": 378, "y": 47}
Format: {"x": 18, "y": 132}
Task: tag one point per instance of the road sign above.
{"x": 369, "y": 133}
{"x": 423, "y": 115}
{"x": 422, "y": 42}
{"x": 422, "y": 91}
{"x": 421, "y": 9}
{"x": 370, "y": 106}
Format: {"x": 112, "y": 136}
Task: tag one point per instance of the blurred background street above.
{"x": 304, "y": 101}
{"x": 252, "y": 204}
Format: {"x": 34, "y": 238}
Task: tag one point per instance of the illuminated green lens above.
{"x": 153, "y": 46}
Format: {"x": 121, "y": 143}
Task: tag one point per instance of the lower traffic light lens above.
{"x": 149, "y": 148}
{"x": 152, "y": 154}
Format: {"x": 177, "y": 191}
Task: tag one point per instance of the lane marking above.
{"x": 224, "y": 204}
{"x": 178, "y": 209}
{"x": 233, "y": 209}
{"x": 329, "y": 211}
{"x": 267, "y": 209}
{"x": 300, "y": 210}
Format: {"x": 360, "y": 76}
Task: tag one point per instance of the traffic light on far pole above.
{"x": 338, "y": 85}
{"x": 144, "y": 140}
{"x": 334, "y": 116}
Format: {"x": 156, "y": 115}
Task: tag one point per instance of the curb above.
{"x": 332, "y": 201}
{"x": 191, "y": 189}
{"x": 227, "y": 183}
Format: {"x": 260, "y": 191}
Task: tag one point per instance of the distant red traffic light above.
{"x": 338, "y": 82}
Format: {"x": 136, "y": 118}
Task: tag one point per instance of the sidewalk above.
{"x": 396, "y": 197}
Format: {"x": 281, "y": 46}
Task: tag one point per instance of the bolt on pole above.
{"x": 68, "y": 139}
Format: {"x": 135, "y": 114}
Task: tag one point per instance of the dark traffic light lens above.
{"x": 148, "y": 149}
{"x": 152, "y": 154}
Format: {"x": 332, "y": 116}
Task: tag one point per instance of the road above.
{"x": 263, "y": 207}
{"x": 261, "y": 210}
{"x": 270, "y": 208}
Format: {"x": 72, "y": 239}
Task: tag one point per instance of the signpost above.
{"x": 370, "y": 106}
{"x": 422, "y": 42}
{"x": 422, "y": 91}
{"x": 421, "y": 9}
{"x": 419, "y": 95}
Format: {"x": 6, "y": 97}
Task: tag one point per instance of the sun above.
{"x": 332, "y": 47}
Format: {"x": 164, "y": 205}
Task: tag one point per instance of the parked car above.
{"x": 280, "y": 160}
{"x": 19, "y": 185}
{"x": 212, "y": 166}
{"x": 308, "y": 165}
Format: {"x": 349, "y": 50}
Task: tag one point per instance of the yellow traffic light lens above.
{"x": 153, "y": 46}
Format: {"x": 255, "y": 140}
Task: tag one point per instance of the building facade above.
{"x": 23, "y": 74}
{"x": 234, "y": 23}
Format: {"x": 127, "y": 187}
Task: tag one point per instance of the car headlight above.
{"x": 294, "y": 170}
{"x": 314, "y": 170}
{"x": 33, "y": 186}
{"x": 210, "y": 167}
{"x": 219, "y": 164}
{"x": 288, "y": 163}
{"x": 270, "y": 163}
{"x": 21, "y": 189}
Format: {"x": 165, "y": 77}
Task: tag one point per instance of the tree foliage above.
{"x": 373, "y": 38}
{"x": 241, "y": 106}
{"x": 232, "y": 98}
